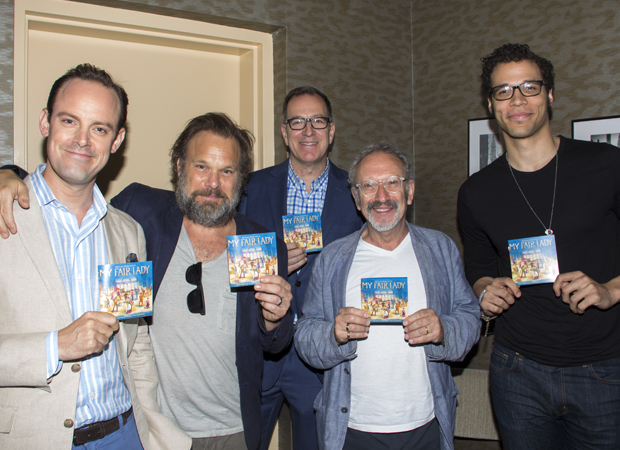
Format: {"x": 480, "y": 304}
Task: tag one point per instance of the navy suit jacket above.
{"x": 264, "y": 201}
{"x": 161, "y": 219}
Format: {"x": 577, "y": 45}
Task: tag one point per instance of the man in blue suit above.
{"x": 306, "y": 182}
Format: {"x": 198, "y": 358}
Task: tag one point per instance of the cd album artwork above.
{"x": 533, "y": 260}
{"x": 385, "y": 299}
{"x": 304, "y": 229}
{"x": 251, "y": 256}
{"x": 126, "y": 290}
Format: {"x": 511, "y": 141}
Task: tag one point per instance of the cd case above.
{"x": 251, "y": 256}
{"x": 304, "y": 229}
{"x": 533, "y": 260}
{"x": 126, "y": 290}
{"x": 385, "y": 299}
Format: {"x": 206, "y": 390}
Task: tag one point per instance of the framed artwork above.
{"x": 599, "y": 129}
{"x": 484, "y": 143}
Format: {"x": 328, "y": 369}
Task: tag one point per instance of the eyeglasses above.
{"x": 195, "y": 299}
{"x": 299, "y": 123}
{"x": 368, "y": 188}
{"x": 527, "y": 89}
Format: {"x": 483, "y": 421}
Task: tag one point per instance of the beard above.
{"x": 207, "y": 214}
{"x": 387, "y": 226}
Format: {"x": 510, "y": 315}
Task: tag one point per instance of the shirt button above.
{"x": 68, "y": 423}
{"x": 92, "y": 395}
{"x": 346, "y": 371}
{"x": 344, "y": 410}
{"x": 75, "y": 368}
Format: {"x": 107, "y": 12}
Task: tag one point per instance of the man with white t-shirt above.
{"x": 387, "y": 389}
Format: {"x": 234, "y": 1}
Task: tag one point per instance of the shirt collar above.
{"x": 46, "y": 196}
{"x": 297, "y": 181}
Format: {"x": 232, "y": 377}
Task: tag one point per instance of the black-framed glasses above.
{"x": 527, "y": 88}
{"x": 299, "y": 123}
{"x": 195, "y": 299}
{"x": 368, "y": 188}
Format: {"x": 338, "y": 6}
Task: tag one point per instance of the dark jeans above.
{"x": 425, "y": 437}
{"x": 548, "y": 408}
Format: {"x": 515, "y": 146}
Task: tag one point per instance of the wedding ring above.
{"x": 281, "y": 303}
{"x": 347, "y": 328}
{"x": 426, "y": 329}
{"x": 348, "y": 333}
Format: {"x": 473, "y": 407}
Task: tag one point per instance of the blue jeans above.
{"x": 555, "y": 408}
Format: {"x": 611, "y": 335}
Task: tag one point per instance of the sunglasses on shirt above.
{"x": 195, "y": 299}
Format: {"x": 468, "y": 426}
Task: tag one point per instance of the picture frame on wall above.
{"x": 598, "y": 129}
{"x": 485, "y": 144}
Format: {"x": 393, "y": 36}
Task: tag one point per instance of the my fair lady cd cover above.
{"x": 250, "y": 256}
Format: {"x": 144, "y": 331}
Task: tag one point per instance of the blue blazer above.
{"x": 264, "y": 201}
{"x": 161, "y": 219}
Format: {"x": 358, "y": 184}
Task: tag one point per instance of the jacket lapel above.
{"x": 115, "y": 241}
{"x": 335, "y": 196}
{"x": 278, "y": 199}
{"x": 35, "y": 240}
{"x": 425, "y": 261}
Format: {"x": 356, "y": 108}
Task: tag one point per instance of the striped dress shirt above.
{"x": 79, "y": 250}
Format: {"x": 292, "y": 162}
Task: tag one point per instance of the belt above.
{"x": 99, "y": 430}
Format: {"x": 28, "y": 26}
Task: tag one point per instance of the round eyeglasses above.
{"x": 299, "y": 123}
{"x": 527, "y": 89}
{"x": 368, "y": 188}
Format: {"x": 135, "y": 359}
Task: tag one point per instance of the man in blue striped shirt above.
{"x": 71, "y": 374}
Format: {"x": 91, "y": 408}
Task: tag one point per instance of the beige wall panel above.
{"x": 172, "y": 68}
{"x": 166, "y": 87}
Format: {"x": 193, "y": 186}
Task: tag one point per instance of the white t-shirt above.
{"x": 390, "y": 387}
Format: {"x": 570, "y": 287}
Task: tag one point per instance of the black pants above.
{"x": 425, "y": 437}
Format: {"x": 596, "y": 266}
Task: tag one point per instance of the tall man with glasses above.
{"x": 70, "y": 374}
{"x": 387, "y": 385}
{"x": 305, "y": 183}
{"x": 555, "y": 366}
{"x": 208, "y": 340}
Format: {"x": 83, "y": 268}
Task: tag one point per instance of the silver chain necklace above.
{"x": 548, "y": 231}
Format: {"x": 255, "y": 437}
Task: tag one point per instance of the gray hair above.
{"x": 383, "y": 147}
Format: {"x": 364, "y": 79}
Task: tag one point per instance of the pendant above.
{"x": 548, "y": 231}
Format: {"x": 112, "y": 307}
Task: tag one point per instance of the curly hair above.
{"x": 514, "y": 53}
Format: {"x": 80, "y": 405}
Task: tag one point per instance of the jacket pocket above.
{"x": 7, "y": 417}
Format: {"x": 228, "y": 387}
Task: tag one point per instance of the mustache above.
{"x": 378, "y": 203}
{"x": 210, "y": 192}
